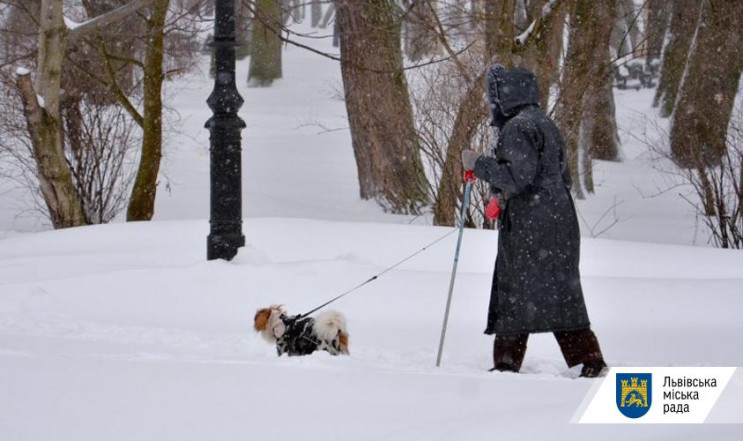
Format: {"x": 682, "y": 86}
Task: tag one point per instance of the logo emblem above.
{"x": 634, "y": 394}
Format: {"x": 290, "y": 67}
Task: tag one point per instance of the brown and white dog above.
{"x": 297, "y": 335}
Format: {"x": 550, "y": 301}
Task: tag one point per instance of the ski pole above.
{"x": 469, "y": 178}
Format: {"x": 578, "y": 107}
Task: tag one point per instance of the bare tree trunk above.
{"x": 600, "y": 125}
{"x": 568, "y": 110}
{"x": 142, "y": 201}
{"x": 590, "y": 29}
{"x": 379, "y": 110}
{"x": 499, "y": 31}
{"x": 707, "y": 93}
{"x": 296, "y": 10}
{"x": 544, "y": 56}
{"x": 625, "y": 36}
{"x": 620, "y": 37}
{"x": 329, "y": 15}
{"x": 683, "y": 25}
{"x": 659, "y": 17}
{"x": 55, "y": 177}
{"x": 243, "y": 32}
{"x": 265, "y": 51}
{"x": 472, "y": 111}
{"x": 315, "y": 13}
{"x": 44, "y": 121}
{"x": 633, "y": 23}
{"x": 549, "y": 50}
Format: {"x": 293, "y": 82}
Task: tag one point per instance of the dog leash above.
{"x": 378, "y": 275}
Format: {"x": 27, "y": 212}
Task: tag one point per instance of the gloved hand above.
{"x": 493, "y": 210}
{"x": 469, "y": 157}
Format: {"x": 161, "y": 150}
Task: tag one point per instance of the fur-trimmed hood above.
{"x": 516, "y": 88}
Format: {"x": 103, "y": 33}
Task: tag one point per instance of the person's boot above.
{"x": 582, "y": 347}
{"x": 508, "y": 352}
{"x": 592, "y": 369}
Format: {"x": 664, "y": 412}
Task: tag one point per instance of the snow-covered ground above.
{"x": 125, "y": 332}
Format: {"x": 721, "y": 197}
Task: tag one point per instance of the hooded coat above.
{"x": 536, "y": 282}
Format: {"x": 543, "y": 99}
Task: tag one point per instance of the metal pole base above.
{"x": 223, "y": 246}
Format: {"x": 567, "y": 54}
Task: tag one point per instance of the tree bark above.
{"x": 55, "y": 177}
{"x": 265, "y": 50}
{"x": 599, "y": 121}
{"x": 707, "y": 94}
{"x": 625, "y": 33}
{"x": 632, "y": 15}
{"x": 683, "y": 25}
{"x": 378, "y": 105}
{"x": 472, "y": 111}
{"x": 142, "y": 201}
{"x": 499, "y": 31}
{"x": 544, "y": 56}
{"x": 44, "y": 122}
{"x": 659, "y": 16}
{"x": 590, "y": 29}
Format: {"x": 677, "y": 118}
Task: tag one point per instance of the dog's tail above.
{"x": 332, "y": 324}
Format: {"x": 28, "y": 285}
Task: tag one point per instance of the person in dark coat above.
{"x": 536, "y": 283}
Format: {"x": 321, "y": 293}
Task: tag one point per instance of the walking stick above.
{"x": 469, "y": 178}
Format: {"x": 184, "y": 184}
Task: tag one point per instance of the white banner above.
{"x": 672, "y": 395}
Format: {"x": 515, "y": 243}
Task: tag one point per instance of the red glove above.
{"x": 493, "y": 210}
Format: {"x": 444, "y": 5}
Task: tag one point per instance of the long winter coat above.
{"x": 536, "y": 283}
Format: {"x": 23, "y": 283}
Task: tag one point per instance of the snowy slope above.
{"x": 125, "y": 332}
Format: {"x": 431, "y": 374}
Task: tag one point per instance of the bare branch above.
{"x": 533, "y": 32}
{"x": 107, "y": 18}
{"x": 453, "y": 55}
{"x": 118, "y": 91}
{"x": 33, "y": 109}
{"x": 441, "y": 34}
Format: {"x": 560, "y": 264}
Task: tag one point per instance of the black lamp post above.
{"x": 225, "y": 234}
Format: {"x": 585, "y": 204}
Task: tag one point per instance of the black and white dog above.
{"x": 297, "y": 335}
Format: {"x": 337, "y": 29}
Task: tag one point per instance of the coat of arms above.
{"x": 634, "y": 394}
